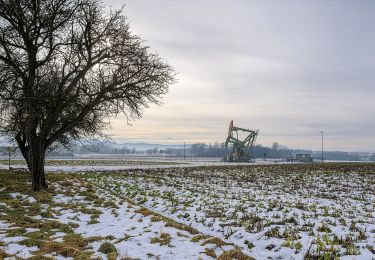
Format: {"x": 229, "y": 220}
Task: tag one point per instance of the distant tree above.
{"x": 65, "y": 67}
{"x": 198, "y": 149}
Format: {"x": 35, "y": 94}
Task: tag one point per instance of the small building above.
{"x": 303, "y": 157}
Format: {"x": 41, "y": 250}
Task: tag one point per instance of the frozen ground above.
{"x": 192, "y": 211}
{"x": 275, "y": 211}
{"x": 111, "y": 164}
{"x": 77, "y": 220}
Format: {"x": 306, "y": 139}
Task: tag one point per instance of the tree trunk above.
{"x": 35, "y": 160}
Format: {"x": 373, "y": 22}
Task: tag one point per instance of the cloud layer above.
{"x": 288, "y": 68}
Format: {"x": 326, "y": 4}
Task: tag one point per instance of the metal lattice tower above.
{"x": 241, "y": 149}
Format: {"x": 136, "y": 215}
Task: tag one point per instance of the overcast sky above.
{"x": 287, "y": 68}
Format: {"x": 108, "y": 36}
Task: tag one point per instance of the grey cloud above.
{"x": 285, "y": 67}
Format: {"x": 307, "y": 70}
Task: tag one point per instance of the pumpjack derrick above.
{"x": 240, "y": 149}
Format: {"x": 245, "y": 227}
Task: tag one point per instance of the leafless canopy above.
{"x": 65, "y": 65}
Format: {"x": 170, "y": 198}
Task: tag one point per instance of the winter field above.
{"x": 276, "y": 211}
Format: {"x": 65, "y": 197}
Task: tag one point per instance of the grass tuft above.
{"x": 216, "y": 241}
{"x": 164, "y": 239}
{"x": 235, "y": 253}
{"x": 60, "y": 248}
{"x": 199, "y": 237}
{"x": 107, "y": 247}
{"x": 210, "y": 252}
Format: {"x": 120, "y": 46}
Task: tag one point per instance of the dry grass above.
{"x": 145, "y": 212}
{"x": 34, "y": 239}
{"x": 155, "y": 219}
{"x": 235, "y": 253}
{"x": 107, "y": 248}
{"x": 164, "y": 239}
{"x": 180, "y": 226}
{"x": 216, "y": 241}
{"x": 43, "y": 197}
{"x": 41, "y": 257}
{"x": 112, "y": 256}
{"x": 3, "y": 254}
{"x": 98, "y": 238}
{"x": 75, "y": 240}
{"x": 210, "y": 252}
{"x": 63, "y": 249}
{"x": 169, "y": 222}
{"x": 199, "y": 237}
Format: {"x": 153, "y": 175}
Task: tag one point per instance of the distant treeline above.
{"x": 275, "y": 152}
{"x": 198, "y": 150}
{"x": 105, "y": 149}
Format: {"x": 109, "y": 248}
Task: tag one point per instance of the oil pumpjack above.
{"x": 240, "y": 149}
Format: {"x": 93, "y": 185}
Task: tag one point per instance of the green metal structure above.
{"x": 241, "y": 149}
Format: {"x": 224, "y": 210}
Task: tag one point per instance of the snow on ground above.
{"x": 110, "y": 165}
{"x": 199, "y": 210}
{"x": 75, "y": 220}
{"x": 279, "y": 211}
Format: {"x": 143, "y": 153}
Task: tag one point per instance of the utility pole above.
{"x": 184, "y": 152}
{"x": 322, "y": 146}
{"x": 9, "y": 150}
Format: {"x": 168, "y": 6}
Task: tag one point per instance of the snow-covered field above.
{"x": 275, "y": 211}
{"x": 116, "y": 164}
{"x": 226, "y": 212}
{"x": 78, "y": 220}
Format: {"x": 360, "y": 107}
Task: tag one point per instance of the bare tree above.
{"x": 66, "y": 66}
